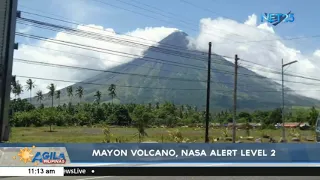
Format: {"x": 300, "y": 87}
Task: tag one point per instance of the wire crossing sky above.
{"x": 60, "y": 39}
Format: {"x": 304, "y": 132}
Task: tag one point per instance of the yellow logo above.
{"x": 25, "y": 154}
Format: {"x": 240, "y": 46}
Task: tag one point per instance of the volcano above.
{"x": 166, "y": 73}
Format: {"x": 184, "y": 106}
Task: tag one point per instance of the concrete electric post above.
{"x": 8, "y": 12}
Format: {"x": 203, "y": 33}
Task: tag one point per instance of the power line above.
{"x": 303, "y": 77}
{"x": 254, "y": 41}
{"x": 81, "y": 24}
{"x": 123, "y": 86}
{"x": 221, "y": 30}
{"x": 199, "y": 68}
{"x": 160, "y": 43}
{"x": 108, "y": 51}
{"x": 215, "y": 70}
{"x": 108, "y": 71}
{"x": 152, "y": 48}
{"x": 133, "y": 74}
{"x": 195, "y": 30}
{"x": 291, "y": 75}
{"x": 91, "y": 57}
{"x": 163, "y": 15}
{"x": 261, "y": 65}
{"x": 105, "y": 30}
{"x": 144, "y": 87}
{"x": 174, "y": 17}
{"x": 193, "y": 51}
{"x": 99, "y": 38}
{"x": 173, "y": 62}
{"x": 122, "y": 53}
{"x": 102, "y": 37}
{"x": 135, "y": 12}
{"x": 114, "y": 72}
{"x": 268, "y": 68}
{"x": 213, "y": 12}
{"x": 158, "y": 9}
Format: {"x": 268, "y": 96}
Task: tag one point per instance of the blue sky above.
{"x": 90, "y": 11}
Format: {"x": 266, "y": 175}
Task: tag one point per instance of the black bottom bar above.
{"x": 192, "y": 171}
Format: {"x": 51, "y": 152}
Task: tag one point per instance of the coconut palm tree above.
{"x": 52, "y": 90}
{"x": 70, "y": 92}
{"x": 112, "y": 91}
{"x": 12, "y": 87}
{"x": 29, "y": 86}
{"x": 98, "y": 96}
{"x": 39, "y": 96}
{"x": 79, "y": 92}
{"x": 58, "y": 94}
{"x": 17, "y": 89}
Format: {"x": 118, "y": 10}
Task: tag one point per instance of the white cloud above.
{"x": 252, "y": 20}
{"x": 316, "y": 53}
{"x": 95, "y": 60}
{"x": 25, "y": 29}
{"x": 268, "y": 53}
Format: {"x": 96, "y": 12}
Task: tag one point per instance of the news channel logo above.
{"x": 27, "y": 155}
{"x": 277, "y": 18}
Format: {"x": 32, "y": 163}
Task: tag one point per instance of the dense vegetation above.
{"x": 140, "y": 115}
{"x": 166, "y": 114}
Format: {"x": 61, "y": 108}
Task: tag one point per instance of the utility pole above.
{"x": 282, "y": 111}
{"x": 235, "y": 98}
{"x": 8, "y": 14}
{"x": 208, "y": 95}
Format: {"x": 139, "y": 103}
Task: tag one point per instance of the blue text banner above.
{"x": 185, "y": 152}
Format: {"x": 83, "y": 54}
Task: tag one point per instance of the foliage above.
{"x": 39, "y": 96}
{"x": 140, "y": 116}
{"x": 52, "y": 89}
{"x": 58, "y": 96}
{"x": 79, "y": 92}
{"x": 112, "y": 91}
{"x": 16, "y": 89}
{"x": 108, "y": 135}
{"x": 30, "y": 84}
{"x": 176, "y": 136}
{"x": 98, "y": 97}
{"x": 70, "y": 92}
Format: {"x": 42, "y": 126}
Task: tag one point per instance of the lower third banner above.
{"x": 191, "y": 171}
{"x": 70, "y": 154}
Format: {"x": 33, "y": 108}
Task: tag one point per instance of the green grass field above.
{"x": 96, "y": 135}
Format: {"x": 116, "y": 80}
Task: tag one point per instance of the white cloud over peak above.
{"x": 252, "y": 20}
{"x": 259, "y": 44}
{"x": 103, "y": 58}
{"x": 228, "y": 37}
{"x": 316, "y": 53}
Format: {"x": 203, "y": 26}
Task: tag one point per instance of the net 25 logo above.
{"x": 277, "y": 18}
{"x": 26, "y": 155}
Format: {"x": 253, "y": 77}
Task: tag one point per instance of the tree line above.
{"x": 139, "y": 115}
{"x": 53, "y": 93}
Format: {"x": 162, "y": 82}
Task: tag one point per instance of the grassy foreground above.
{"x": 117, "y": 134}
